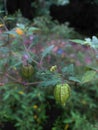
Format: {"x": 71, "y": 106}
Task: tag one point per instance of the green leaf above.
{"x": 6, "y": 96}
{"x": 47, "y": 50}
{"x": 16, "y": 96}
{"x": 10, "y": 18}
{"x": 88, "y": 76}
{"x": 94, "y": 42}
{"x": 50, "y": 82}
{"x": 74, "y": 79}
{"x": 78, "y": 41}
{"x": 68, "y": 69}
{"x": 12, "y": 32}
{"x": 81, "y": 42}
{"x": 22, "y": 26}
{"x": 31, "y": 29}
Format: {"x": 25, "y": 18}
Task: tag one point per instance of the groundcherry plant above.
{"x": 34, "y": 72}
{"x": 23, "y": 74}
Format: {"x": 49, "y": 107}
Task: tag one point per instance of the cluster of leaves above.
{"x": 21, "y": 107}
{"x": 49, "y": 27}
{"x": 25, "y": 101}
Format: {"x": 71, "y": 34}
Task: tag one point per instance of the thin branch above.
{"x": 23, "y": 83}
{"x": 33, "y": 83}
{"x": 4, "y": 24}
{"x": 29, "y": 54}
{"x": 9, "y": 76}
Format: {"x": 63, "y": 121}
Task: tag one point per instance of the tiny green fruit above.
{"x": 27, "y": 70}
{"x": 62, "y": 93}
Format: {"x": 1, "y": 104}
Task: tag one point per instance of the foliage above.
{"x": 22, "y": 108}
{"x": 59, "y": 2}
{"x": 79, "y": 121}
{"x": 28, "y": 101}
{"x": 49, "y": 27}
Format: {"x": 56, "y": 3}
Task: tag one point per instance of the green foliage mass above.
{"x": 29, "y": 102}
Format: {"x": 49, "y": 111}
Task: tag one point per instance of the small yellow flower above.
{"x": 53, "y": 68}
{"x": 21, "y": 92}
{"x": 38, "y": 120}
{"x": 35, "y": 117}
{"x": 19, "y": 31}
{"x": 12, "y": 36}
{"x": 83, "y": 102}
{"x": 35, "y": 106}
{"x": 66, "y": 127}
{"x": 1, "y": 25}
